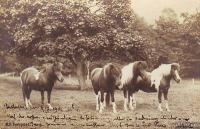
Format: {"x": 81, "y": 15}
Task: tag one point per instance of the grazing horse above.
{"x": 105, "y": 80}
{"x": 33, "y": 79}
{"x": 130, "y": 73}
{"x": 160, "y": 79}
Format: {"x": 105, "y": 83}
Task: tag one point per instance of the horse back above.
{"x": 95, "y": 76}
{"x": 28, "y": 75}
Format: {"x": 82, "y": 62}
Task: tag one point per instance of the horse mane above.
{"x": 47, "y": 69}
{"x": 107, "y": 70}
{"x": 127, "y": 73}
{"x": 176, "y": 65}
{"x": 164, "y": 69}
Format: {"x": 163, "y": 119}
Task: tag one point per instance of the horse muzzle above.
{"x": 178, "y": 80}
{"x": 120, "y": 86}
{"x": 61, "y": 80}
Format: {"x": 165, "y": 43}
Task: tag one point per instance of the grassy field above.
{"x": 75, "y": 109}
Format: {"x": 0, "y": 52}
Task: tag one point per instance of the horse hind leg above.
{"x": 28, "y": 97}
{"x": 132, "y": 102}
{"x": 49, "y": 98}
{"x": 166, "y": 100}
{"x": 160, "y": 100}
{"x": 101, "y": 102}
{"x": 125, "y": 99}
{"x": 113, "y": 102}
{"x": 42, "y": 97}
{"x": 23, "y": 92}
{"x": 27, "y": 93}
{"x": 98, "y": 101}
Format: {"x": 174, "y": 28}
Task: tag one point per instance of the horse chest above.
{"x": 106, "y": 86}
{"x": 165, "y": 83}
{"x": 41, "y": 84}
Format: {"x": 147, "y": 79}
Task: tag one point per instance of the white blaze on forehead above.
{"x": 177, "y": 75}
{"x": 127, "y": 73}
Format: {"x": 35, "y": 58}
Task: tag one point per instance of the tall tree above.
{"x": 77, "y": 30}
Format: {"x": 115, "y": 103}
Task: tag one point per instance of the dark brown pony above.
{"x": 105, "y": 80}
{"x": 130, "y": 73}
{"x": 33, "y": 79}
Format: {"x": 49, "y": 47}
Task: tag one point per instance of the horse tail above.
{"x": 108, "y": 98}
{"x": 23, "y": 92}
{"x": 23, "y": 83}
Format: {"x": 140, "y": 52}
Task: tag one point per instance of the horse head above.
{"x": 165, "y": 70}
{"x": 140, "y": 68}
{"x": 175, "y": 68}
{"x": 113, "y": 73}
{"x": 57, "y": 70}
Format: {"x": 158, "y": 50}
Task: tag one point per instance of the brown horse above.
{"x": 130, "y": 73}
{"x": 33, "y": 79}
{"x": 105, "y": 80}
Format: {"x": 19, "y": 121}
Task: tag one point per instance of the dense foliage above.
{"x": 95, "y": 30}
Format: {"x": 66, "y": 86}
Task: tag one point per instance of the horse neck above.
{"x": 108, "y": 80}
{"x": 168, "y": 77}
{"x": 49, "y": 74}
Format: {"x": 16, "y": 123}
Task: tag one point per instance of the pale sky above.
{"x": 151, "y": 9}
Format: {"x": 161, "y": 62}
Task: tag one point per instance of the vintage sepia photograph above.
{"x": 99, "y": 64}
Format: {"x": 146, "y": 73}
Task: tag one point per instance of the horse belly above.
{"x": 37, "y": 84}
{"x": 95, "y": 79}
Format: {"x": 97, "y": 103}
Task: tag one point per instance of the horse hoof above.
{"x": 51, "y": 108}
{"x": 131, "y": 108}
{"x": 97, "y": 109}
{"x": 168, "y": 110}
{"x": 100, "y": 111}
{"x": 125, "y": 109}
{"x": 114, "y": 111}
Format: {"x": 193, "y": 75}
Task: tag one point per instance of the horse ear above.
{"x": 142, "y": 64}
{"x": 55, "y": 62}
{"x": 175, "y": 66}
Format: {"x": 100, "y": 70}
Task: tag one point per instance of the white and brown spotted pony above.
{"x": 130, "y": 75}
{"x": 161, "y": 78}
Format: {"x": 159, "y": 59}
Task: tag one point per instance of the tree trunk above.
{"x": 82, "y": 75}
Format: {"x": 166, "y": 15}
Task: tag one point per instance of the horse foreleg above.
{"x": 130, "y": 99}
{"x": 125, "y": 99}
{"x": 133, "y": 100}
{"x": 104, "y": 102}
{"x": 166, "y": 100}
{"x": 101, "y": 102}
{"x": 26, "y": 95}
{"x": 113, "y": 102}
{"x": 42, "y": 97}
{"x": 97, "y": 100}
{"x": 160, "y": 100}
{"x": 49, "y": 97}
